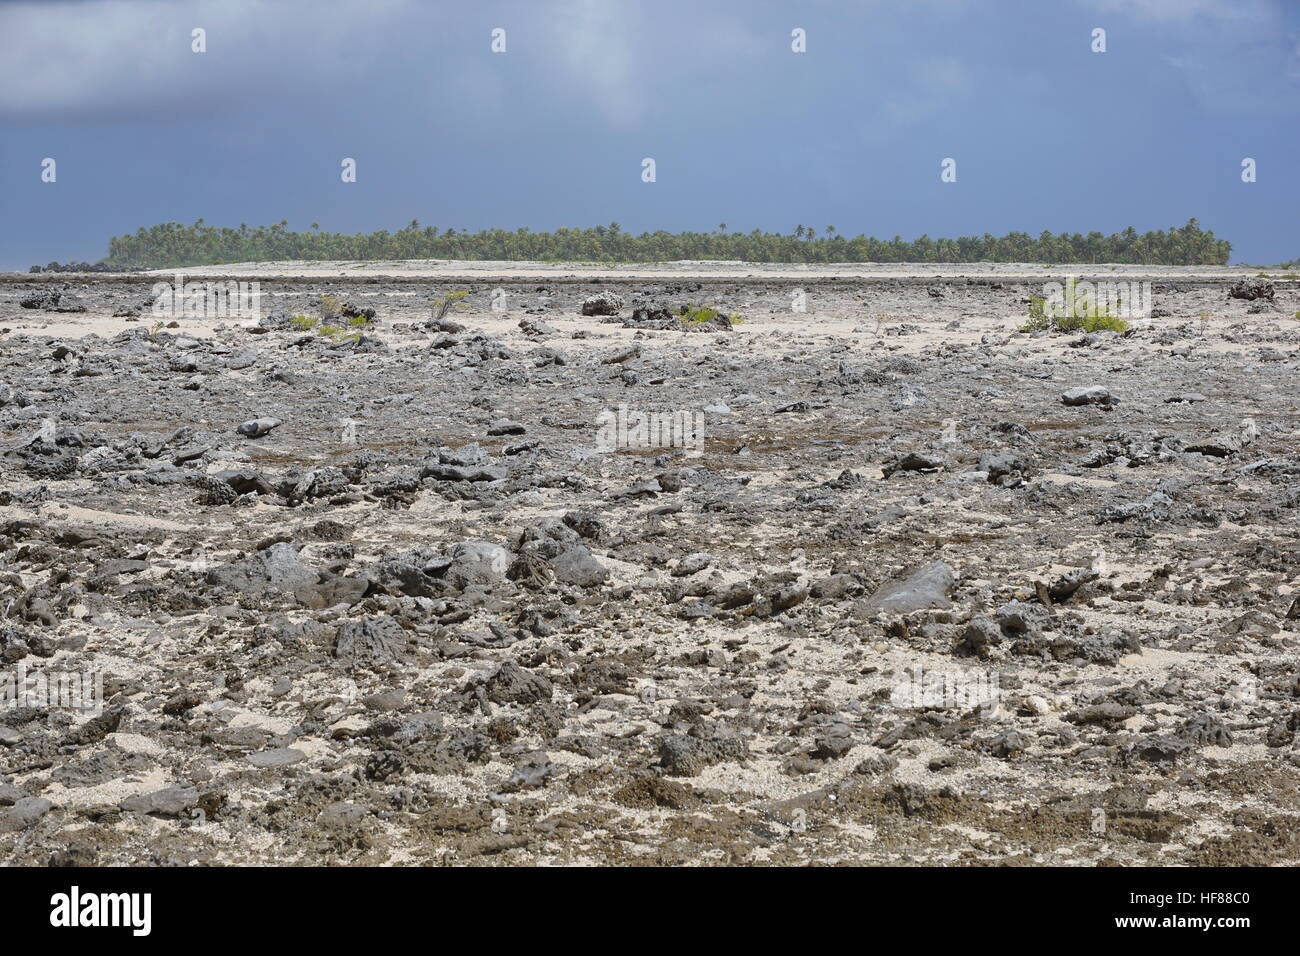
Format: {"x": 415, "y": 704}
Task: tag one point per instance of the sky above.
{"x": 1045, "y": 132}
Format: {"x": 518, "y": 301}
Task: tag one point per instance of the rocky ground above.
{"x": 934, "y": 590}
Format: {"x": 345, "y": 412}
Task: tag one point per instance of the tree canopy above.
{"x": 171, "y": 245}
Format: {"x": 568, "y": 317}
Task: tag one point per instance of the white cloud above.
{"x": 130, "y": 57}
{"x": 596, "y": 42}
{"x": 631, "y": 60}
{"x": 1226, "y": 51}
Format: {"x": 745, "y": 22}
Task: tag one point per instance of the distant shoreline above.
{"x": 444, "y": 270}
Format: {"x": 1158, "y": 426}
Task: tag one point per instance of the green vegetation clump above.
{"x": 1040, "y": 321}
{"x": 450, "y": 302}
{"x": 330, "y": 307}
{"x": 1037, "y": 315}
{"x": 172, "y": 245}
{"x": 336, "y": 334}
{"x": 1099, "y": 323}
{"x": 706, "y": 313}
{"x": 333, "y": 323}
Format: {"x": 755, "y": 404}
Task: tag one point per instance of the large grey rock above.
{"x": 258, "y": 427}
{"x": 603, "y": 303}
{"x": 1017, "y": 617}
{"x": 465, "y": 456}
{"x": 54, "y": 300}
{"x": 681, "y": 755}
{"x": 169, "y": 802}
{"x": 1065, "y": 586}
{"x": 278, "y": 757}
{"x": 927, "y": 588}
{"x": 323, "y": 482}
{"x": 373, "y": 639}
{"x": 692, "y": 564}
{"x": 244, "y": 480}
{"x": 477, "y": 562}
{"x": 1089, "y": 395}
{"x": 1251, "y": 289}
{"x": 913, "y": 461}
{"x": 448, "y": 472}
{"x": 1004, "y": 467}
{"x": 278, "y": 568}
{"x": 1225, "y": 442}
{"x": 512, "y": 684}
{"x": 981, "y": 634}
{"x": 577, "y": 566}
{"x": 1154, "y": 507}
{"x": 415, "y": 573}
{"x": 24, "y": 813}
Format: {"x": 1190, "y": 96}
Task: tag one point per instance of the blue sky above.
{"x": 1046, "y": 133}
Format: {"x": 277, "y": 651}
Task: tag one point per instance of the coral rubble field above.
{"x": 896, "y": 581}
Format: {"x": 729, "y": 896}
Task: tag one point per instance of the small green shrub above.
{"x": 337, "y": 334}
{"x": 445, "y": 304}
{"x": 707, "y": 313}
{"x": 1102, "y": 323}
{"x": 1040, "y": 321}
{"x": 330, "y": 307}
{"x": 348, "y": 330}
